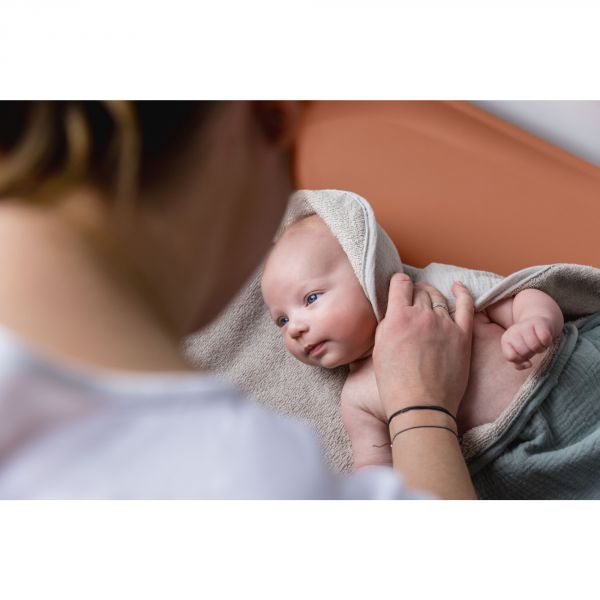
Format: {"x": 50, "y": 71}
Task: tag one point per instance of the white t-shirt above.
{"x": 77, "y": 433}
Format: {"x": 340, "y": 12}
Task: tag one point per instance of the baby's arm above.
{"x": 532, "y": 320}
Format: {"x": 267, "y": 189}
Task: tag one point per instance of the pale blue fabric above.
{"x": 81, "y": 434}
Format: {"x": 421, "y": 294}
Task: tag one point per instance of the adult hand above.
{"x": 421, "y": 354}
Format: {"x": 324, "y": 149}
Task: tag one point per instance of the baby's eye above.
{"x": 282, "y": 321}
{"x": 312, "y": 297}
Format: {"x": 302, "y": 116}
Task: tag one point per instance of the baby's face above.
{"x": 315, "y": 298}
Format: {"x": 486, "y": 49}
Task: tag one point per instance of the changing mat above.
{"x": 245, "y": 345}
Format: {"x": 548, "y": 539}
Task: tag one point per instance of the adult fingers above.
{"x": 421, "y": 298}
{"x": 400, "y": 292}
{"x": 434, "y": 293}
{"x": 435, "y": 297}
{"x": 463, "y": 315}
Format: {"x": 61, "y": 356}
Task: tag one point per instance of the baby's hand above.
{"x": 523, "y": 340}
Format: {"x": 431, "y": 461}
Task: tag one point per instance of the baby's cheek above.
{"x": 288, "y": 346}
{"x": 296, "y": 353}
{"x": 343, "y": 354}
{"x": 361, "y": 331}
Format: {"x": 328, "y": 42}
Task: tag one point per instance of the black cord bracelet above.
{"x": 425, "y": 427}
{"x": 423, "y": 407}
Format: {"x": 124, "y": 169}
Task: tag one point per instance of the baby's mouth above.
{"x": 314, "y": 349}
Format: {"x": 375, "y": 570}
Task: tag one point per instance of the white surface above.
{"x": 572, "y": 125}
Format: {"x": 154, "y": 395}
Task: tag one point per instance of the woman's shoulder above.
{"x": 122, "y": 435}
{"x": 68, "y": 433}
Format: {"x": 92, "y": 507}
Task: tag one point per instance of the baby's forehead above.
{"x": 307, "y": 247}
{"x": 307, "y": 229}
{"x": 310, "y": 235}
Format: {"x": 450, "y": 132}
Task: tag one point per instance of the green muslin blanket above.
{"x": 550, "y": 448}
{"x": 544, "y": 445}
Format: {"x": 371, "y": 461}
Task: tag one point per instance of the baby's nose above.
{"x": 296, "y": 328}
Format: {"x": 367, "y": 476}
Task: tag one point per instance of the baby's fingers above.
{"x": 544, "y": 335}
{"x": 511, "y": 354}
{"x": 533, "y": 339}
{"x": 526, "y": 364}
{"x": 515, "y": 348}
{"x": 509, "y": 351}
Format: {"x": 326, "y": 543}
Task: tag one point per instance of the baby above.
{"x": 326, "y": 320}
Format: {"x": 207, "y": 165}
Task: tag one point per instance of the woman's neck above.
{"x": 68, "y": 292}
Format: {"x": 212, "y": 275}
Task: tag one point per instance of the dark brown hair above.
{"x": 119, "y": 146}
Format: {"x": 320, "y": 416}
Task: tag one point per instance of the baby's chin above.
{"x": 332, "y": 359}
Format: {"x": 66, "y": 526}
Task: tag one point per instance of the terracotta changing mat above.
{"x": 451, "y": 183}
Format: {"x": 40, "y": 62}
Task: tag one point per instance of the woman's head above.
{"x": 189, "y": 193}
{"x": 316, "y": 299}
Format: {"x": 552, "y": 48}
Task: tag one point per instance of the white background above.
{"x": 312, "y": 49}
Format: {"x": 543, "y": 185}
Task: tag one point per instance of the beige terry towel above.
{"x": 244, "y": 345}
{"x": 371, "y": 252}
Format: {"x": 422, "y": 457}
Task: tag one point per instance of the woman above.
{"x": 126, "y": 226}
